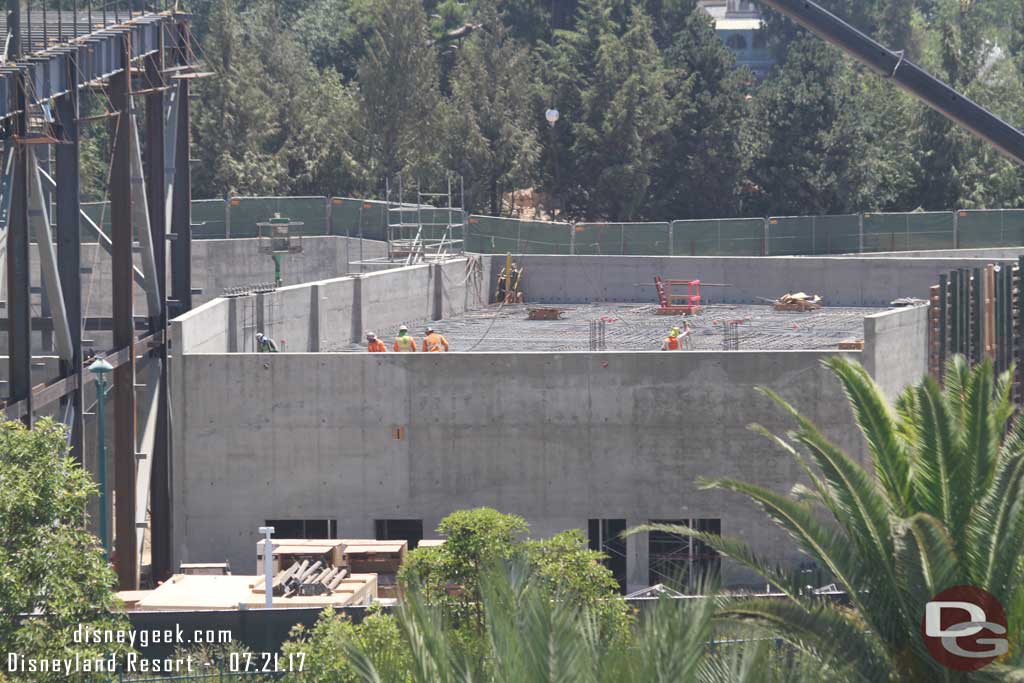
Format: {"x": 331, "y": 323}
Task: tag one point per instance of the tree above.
{"x": 623, "y": 117}
{"x": 493, "y": 87}
{"x": 54, "y": 578}
{"x": 941, "y": 506}
{"x": 449, "y": 577}
{"x": 703, "y": 161}
{"x": 398, "y": 94}
{"x": 236, "y": 116}
{"x": 325, "y": 660}
{"x": 532, "y": 635}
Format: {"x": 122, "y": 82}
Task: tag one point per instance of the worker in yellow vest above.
{"x": 403, "y": 342}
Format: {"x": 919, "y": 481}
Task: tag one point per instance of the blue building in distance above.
{"x": 738, "y": 24}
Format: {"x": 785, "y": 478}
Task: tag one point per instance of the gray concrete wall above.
{"x": 568, "y": 437}
{"x": 202, "y": 330}
{"x": 985, "y": 253}
{"x": 841, "y": 281}
{"x": 896, "y": 347}
{"x": 330, "y": 314}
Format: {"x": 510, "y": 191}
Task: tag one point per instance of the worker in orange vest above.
{"x": 434, "y": 341}
{"x": 374, "y": 345}
{"x": 403, "y": 342}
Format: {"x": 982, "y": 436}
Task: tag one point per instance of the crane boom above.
{"x": 912, "y": 78}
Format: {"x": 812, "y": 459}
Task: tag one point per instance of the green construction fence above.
{"x": 909, "y": 231}
{"x": 1001, "y": 228}
{"x": 492, "y": 235}
{"x": 719, "y": 237}
{"x": 813, "y": 235}
{"x": 622, "y": 239}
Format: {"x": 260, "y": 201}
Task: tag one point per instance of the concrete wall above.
{"x": 985, "y": 253}
{"x": 330, "y": 314}
{"x": 896, "y": 347}
{"x": 568, "y": 437}
{"x": 841, "y": 281}
{"x": 202, "y": 330}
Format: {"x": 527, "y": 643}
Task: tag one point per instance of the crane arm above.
{"x": 912, "y": 78}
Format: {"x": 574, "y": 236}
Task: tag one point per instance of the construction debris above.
{"x": 798, "y": 302}
{"x": 544, "y": 313}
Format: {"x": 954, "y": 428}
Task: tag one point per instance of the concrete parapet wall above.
{"x": 330, "y": 314}
{"x": 558, "y": 438}
{"x": 841, "y": 281}
{"x": 896, "y": 347}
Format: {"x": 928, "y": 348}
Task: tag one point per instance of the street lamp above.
{"x": 101, "y": 369}
{"x": 268, "y": 563}
{"x": 551, "y": 116}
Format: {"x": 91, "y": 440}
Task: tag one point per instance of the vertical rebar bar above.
{"x": 46, "y": 34}
{"x": 943, "y": 315}
{"x": 977, "y": 316}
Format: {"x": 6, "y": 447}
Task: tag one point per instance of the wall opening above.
{"x": 605, "y": 535}
{"x": 680, "y": 562}
{"x": 409, "y": 530}
{"x": 304, "y": 528}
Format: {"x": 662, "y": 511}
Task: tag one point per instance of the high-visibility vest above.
{"x": 671, "y": 344}
{"x": 376, "y": 346}
{"x": 435, "y": 343}
{"x": 405, "y": 343}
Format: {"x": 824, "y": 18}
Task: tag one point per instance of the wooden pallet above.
{"x": 851, "y": 345}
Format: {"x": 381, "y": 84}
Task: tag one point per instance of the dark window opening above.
{"x": 605, "y": 535}
{"x": 409, "y": 530}
{"x": 304, "y": 528}
{"x": 760, "y": 40}
{"x": 680, "y": 562}
{"x": 736, "y": 41}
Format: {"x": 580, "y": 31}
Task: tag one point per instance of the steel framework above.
{"x": 146, "y": 57}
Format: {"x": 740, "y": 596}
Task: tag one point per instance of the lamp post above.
{"x": 551, "y": 116}
{"x": 101, "y": 369}
{"x": 268, "y": 563}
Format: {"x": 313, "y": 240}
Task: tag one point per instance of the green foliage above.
{"x": 50, "y": 567}
{"x": 657, "y": 123}
{"x": 939, "y": 505}
{"x": 324, "y": 644}
{"x": 450, "y": 577}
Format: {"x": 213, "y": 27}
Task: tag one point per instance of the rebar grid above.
{"x": 636, "y": 327}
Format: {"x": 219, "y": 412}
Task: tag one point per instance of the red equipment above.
{"x": 667, "y": 300}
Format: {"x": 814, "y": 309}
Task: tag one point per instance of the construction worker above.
{"x": 671, "y": 342}
{"x": 265, "y": 344}
{"x": 374, "y": 345}
{"x": 403, "y": 342}
{"x": 434, "y": 341}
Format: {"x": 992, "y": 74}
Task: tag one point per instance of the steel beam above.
{"x": 141, "y": 221}
{"x": 19, "y": 334}
{"x": 181, "y": 221}
{"x": 160, "y": 218}
{"x": 124, "y": 333}
{"x": 39, "y": 219}
{"x": 69, "y": 247}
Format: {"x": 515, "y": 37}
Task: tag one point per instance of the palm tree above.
{"x": 943, "y": 507}
{"x": 530, "y": 637}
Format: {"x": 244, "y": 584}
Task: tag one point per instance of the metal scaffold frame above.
{"x": 148, "y": 57}
{"x": 410, "y": 226}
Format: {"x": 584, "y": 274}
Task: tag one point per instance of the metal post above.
{"x": 159, "y": 490}
{"x": 181, "y": 221}
{"x": 69, "y": 248}
{"x": 100, "y": 369}
{"x": 268, "y": 564}
{"x": 18, "y": 302}
{"x": 123, "y": 286}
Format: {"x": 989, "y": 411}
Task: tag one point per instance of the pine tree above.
{"x": 624, "y": 115}
{"x": 235, "y": 115}
{"x": 399, "y": 101}
{"x": 493, "y": 87}
{"x": 703, "y": 161}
